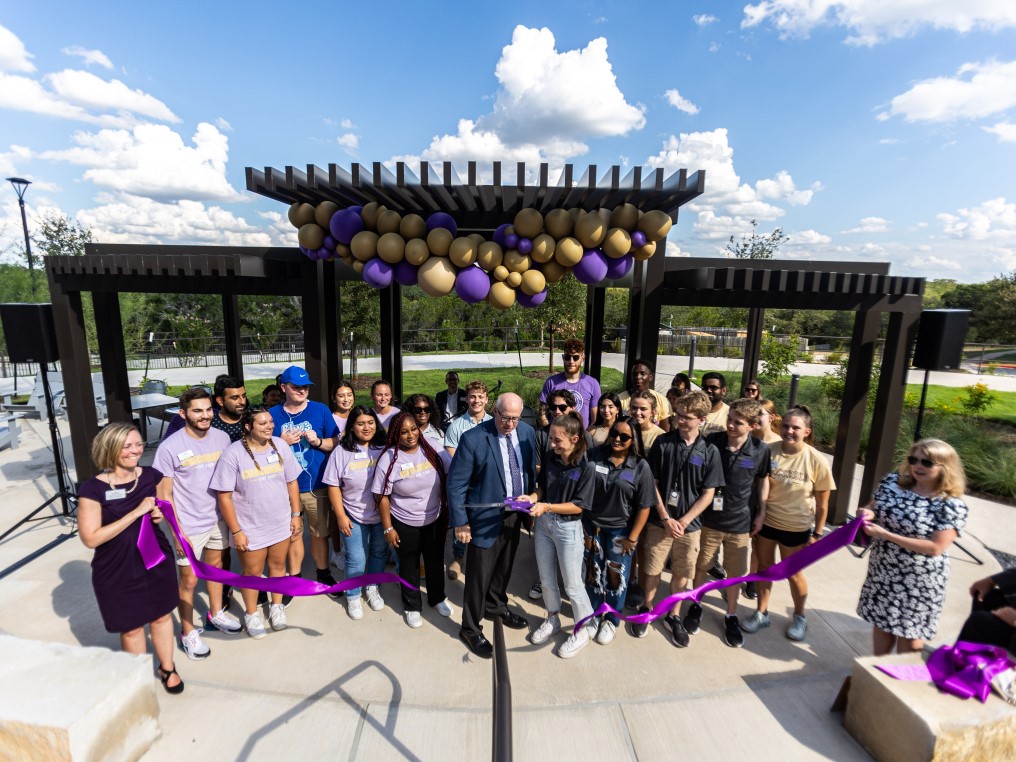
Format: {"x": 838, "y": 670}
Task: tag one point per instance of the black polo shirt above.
{"x": 543, "y": 451}
{"x": 233, "y": 430}
{"x": 690, "y": 469}
{"x": 741, "y": 471}
{"x": 567, "y": 484}
{"x": 621, "y": 491}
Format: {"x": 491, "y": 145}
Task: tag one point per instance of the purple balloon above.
{"x": 345, "y": 224}
{"x": 511, "y": 241}
{"x": 498, "y": 236}
{"x": 472, "y": 284}
{"x": 358, "y": 208}
{"x": 377, "y": 273}
{"x": 530, "y": 301}
{"x": 329, "y": 243}
{"x": 305, "y": 251}
{"x": 442, "y": 220}
{"x": 638, "y": 239}
{"x": 407, "y": 274}
{"x": 618, "y": 268}
{"x": 324, "y": 253}
{"x": 525, "y": 246}
{"x": 592, "y": 268}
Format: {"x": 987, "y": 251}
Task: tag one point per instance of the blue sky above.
{"x": 867, "y": 130}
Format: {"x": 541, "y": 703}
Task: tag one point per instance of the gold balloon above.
{"x": 343, "y": 250}
{"x": 437, "y": 276}
{"x": 323, "y": 213}
{"x": 514, "y": 279}
{"x": 576, "y": 214}
{"x": 655, "y": 224}
{"x": 462, "y": 252}
{"x": 533, "y": 282}
{"x": 645, "y": 252}
{"x": 439, "y": 240}
{"x": 358, "y": 266}
{"x": 388, "y": 221}
{"x": 364, "y": 245}
{"x": 477, "y": 238}
{"x": 528, "y": 223}
{"x": 413, "y": 226}
{"x": 489, "y": 255}
{"x": 417, "y": 251}
{"x": 553, "y": 272}
{"x": 559, "y": 223}
{"x": 590, "y": 230}
{"x": 301, "y": 214}
{"x": 311, "y": 236}
{"x": 516, "y": 261}
{"x": 625, "y": 216}
{"x": 617, "y": 243}
{"x": 369, "y": 214}
{"x": 391, "y": 247}
{"x": 543, "y": 248}
{"x": 604, "y": 215}
{"x": 501, "y": 272}
{"x": 568, "y": 252}
{"x": 501, "y": 296}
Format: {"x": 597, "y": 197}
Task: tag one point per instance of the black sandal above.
{"x": 164, "y": 676}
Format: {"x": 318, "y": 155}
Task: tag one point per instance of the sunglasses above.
{"x": 571, "y": 358}
{"x": 421, "y": 409}
{"x": 622, "y": 438}
{"x": 712, "y": 388}
{"x": 559, "y": 408}
{"x": 914, "y": 460}
{"x": 751, "y": 389}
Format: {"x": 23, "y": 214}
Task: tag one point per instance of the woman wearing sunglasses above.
{"x": 916, "y": 514}
{"x": 422, "y": 407}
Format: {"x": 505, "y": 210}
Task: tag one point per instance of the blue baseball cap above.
{"x": 296, "y": 376}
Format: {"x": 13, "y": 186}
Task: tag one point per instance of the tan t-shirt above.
{"x": 793, "y": 482}
{"x": 716, "y": 421}
{"x": 663, "y": 409}
{"x": 648, "y": 437}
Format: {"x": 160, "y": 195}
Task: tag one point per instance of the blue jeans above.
{"x": 561, "y": 543}
{"x": 366, "y": 551}
{"x": 607, "y": 569}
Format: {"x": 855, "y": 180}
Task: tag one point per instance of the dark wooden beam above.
{"x": 752, "y": 346}
{"x": 314, "y": 335}
{"x": 231, "y": 328}
{"x": 596, "y": 300}
{"x": 391, "y": 337}
{"x": 112, "y": 357}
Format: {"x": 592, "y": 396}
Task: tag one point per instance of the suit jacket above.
{"x": 442, "y": 402}
{"x": 477, "y": 477}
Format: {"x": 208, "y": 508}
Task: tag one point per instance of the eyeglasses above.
{"x": 572, "y": 358}
{"x": 622, "y": 438}
{"x": 507, "y": 418}
{"x": 421, "y": 409}
{"x": 913, "y": 460}
{"x": 559, "y": 408}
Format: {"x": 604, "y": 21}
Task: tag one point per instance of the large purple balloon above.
{"x": 498, "y": 236}
{"x": 442, "y": 220}
{"x": 407, "y": 274}
{"x": 618, "y": 268}
{"x": 530, "y": 301}
{"x": 472, "y": 285}
{"x": 638, "y": 239}
{"x": 592, "y": 268}
{"x": 525, "y": 246}
{"x": 377, "y": 273}
{"x": 345, "y": 224}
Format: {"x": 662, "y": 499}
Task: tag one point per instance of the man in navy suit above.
{"x": 451, "y": 402}
{"x": 494, "y": 460}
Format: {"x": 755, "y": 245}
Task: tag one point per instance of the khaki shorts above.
{"x": 683, "y": 552}
{"x": 317, "y": 514}
{"x": 735, "y": 551}
{"x": 216, "y": 538}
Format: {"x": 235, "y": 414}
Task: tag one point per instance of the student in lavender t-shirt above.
{"x": 409, "y": 486}
{"x": 186, "y": 460}
{"x": 341, "y": 400}
{"x": 350, "y": 477}
{"x": 585, "y": 389}
{"x": 259, "y": 498}
{"x": 381, "y": 393}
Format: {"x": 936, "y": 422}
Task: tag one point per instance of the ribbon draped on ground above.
{"x": 785, "y": 569}
{"x": 284, "y": 585}
{"x": 966, "y": 669}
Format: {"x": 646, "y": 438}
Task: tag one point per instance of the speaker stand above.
{"x": 920, "y": 408}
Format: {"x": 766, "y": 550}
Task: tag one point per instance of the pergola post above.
{"x": 391, "y": 337}
{"x": 752, "y": 345}
{"x": 112, "y": 356}
{"x": 596, "y": 301}
{"x": 644, "y": 309}
{"x": 314, "y": 341}
{"x": 231, "y": 329}
{"x": 333, "y": 326}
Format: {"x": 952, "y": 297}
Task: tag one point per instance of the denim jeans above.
{"x": 366, "y": 551}
{"x": 607, "y": 569}
{"x": 560, "y": 543}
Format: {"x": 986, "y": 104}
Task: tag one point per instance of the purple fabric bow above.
{"x": 148, "y": 543}
{"x": 966, "y": 669}
{"x": 283, "y": 585}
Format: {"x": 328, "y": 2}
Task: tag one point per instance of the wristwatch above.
{"x": 296, "y": 515}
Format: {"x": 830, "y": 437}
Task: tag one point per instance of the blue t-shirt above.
{"x": 315, "y": 417}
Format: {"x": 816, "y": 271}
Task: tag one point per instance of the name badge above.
{"x": 718, "y": 503}
{"x": 273, "y": 458}
{"x": 360, "y": 456}
{"x": 674, "y": 501}
{"x": 407, "y": 466}
{"x": 602, "y": 470}
{"x": 185, "y": 455}
{"x": 116, "y": 494}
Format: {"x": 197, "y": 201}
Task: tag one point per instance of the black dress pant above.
{"x": 984, "y": 627}
{"x": 488, "y": 571}
{"x": 426, "y": 542}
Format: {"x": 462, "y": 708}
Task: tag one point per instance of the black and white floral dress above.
{"x": 904, "y": 591}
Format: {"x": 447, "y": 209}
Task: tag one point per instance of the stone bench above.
{"x": 60, "y": 702}
{"x": 900, "y": 721}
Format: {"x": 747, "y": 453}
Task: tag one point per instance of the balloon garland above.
{"x": 516, "y": 265}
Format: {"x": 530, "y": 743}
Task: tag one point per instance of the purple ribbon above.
{"x": 966, "y": 669}
{"x": 514, "y": 504}
{"x": 284, "y": 585}
{"x": 148, "y": 543}
{"x": 785, "y": 569}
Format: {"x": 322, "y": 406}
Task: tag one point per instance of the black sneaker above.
{"x": 717, "y": 571}
{"x": 693, "y": 619}
{"x": 677, "y": 631}
{"x": 325, "y": 578}
{"x": 262, "y": 598}
{"x": 640, "y": 629}
{"x": 732, "y": 632}
{"x": 634, "y": 598}
{"x": 750, "y": 591}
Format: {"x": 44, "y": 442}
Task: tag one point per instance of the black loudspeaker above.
{"x": 940, "y": 338}
{"x": 28, "y": 329}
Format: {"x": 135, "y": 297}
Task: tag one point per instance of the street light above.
{"x": 20, "y": 186}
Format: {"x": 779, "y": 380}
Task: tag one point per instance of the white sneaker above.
{"x": 277, "y": 616}
{"x": 798, "y": 627}
{"x": 413, "y": 619}
{"x": 194, "y": 646}
{"x": 606, "y": 632}
{"x": 354, "y": 607}
{"x": 374, "y": 599}
{"x": 223, "y": 622}
{"x": 444, "y": 608}
{"x": 254, "y": 625}
{"x": 542, "y": 634}
{"x": 574, "y": 644}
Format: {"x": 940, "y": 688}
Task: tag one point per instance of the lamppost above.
{"x": 20, "y": 186}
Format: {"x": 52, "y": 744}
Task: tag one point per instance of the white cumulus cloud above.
{"x": 84, "y": 89}
{"x": 1004, "y": 131}
{"x": 870, "y": 225}
{"x": 994, "y": 219}
{"x": 675, "y": 99}
{"x": 350, "y": 141}
{"x": 978, "y": 90}
{"x": 13, "y": 55}
{"x": 704, "y": 19}
{"x": 89, "y": 56}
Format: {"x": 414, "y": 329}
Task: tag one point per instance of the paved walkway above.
{"x": 377, "y": 690}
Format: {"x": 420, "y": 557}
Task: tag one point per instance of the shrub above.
{"x": 777, "y": 357}
{"x": 979, "y": 398}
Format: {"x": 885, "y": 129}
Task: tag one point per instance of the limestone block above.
{"x": 61, "y": 702}
{"x": 900, "y": 721}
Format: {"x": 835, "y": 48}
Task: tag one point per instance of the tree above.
{"x": 360, "y": 313}
{"x": 563, "y": 312}
{"x": 757, "y": 246}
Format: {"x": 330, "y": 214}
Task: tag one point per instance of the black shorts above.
{"x": 785, "y": 538}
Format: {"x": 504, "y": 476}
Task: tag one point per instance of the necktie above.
{"x": 513, "y": 468}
